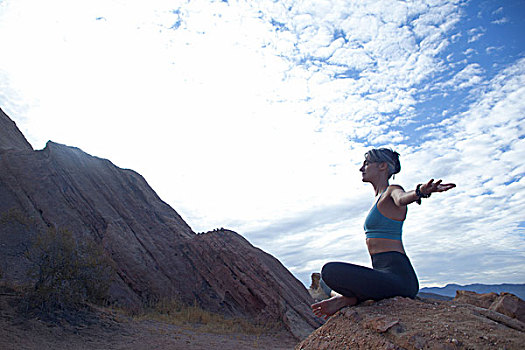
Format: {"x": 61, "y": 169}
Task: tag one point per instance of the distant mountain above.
{"x": 424, "y": 295}
{"x": 450, "y": 289}
{"x": 156, "y": 254}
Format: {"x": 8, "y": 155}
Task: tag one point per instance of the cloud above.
{"x": 376, "y": 54}
{"x": 502, "y": 20}
{"x": 471, "y": 75}
{"x": 498, "y": 10}
{"x": 481, "y": 153}
{"x": 475, "y": 34}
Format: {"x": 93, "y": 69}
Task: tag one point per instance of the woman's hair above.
{"x": 380, "y": 155}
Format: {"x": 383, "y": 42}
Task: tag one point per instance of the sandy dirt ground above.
{"x": 114, "y": 330}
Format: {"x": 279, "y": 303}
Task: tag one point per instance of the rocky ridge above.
{"x": 12, "y": 138}
{"x": 156, "y": 254}
{"x": 450, "y": 289}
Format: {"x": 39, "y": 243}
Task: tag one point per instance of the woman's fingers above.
{"x": 445, "y": 187}
{"x": 437, "y": 186}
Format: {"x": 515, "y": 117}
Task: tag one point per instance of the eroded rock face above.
{"x": 403, "y": 323}
{"x": 248, "y": 280}
{"x": 11, "y": 137}
{"x": 156, "y": 253}
{"x": 510, "y": 305}
{"x": 481, "y": 300}
{"x": 504, "y": 303}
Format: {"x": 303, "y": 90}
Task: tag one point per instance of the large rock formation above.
{"x": 504, "y": 303}
{"x": 403, "y": 323}
{"x": 316, "y": 291}
{"x": 155, "y": 252}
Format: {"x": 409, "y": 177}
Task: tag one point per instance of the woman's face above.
{"x": 369, "y": 170}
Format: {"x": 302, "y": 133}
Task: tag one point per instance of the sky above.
{"x": 255, "y": 116}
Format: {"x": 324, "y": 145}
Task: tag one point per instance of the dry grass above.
{"x": 174, "y": 312}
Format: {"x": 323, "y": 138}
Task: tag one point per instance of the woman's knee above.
{"x": 328, "y": 272}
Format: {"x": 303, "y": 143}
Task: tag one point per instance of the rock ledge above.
{"x": 403, "y": 323}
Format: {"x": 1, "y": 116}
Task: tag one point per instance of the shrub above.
{"x": 15, "y": 215}
{"x": 67, "y": 273}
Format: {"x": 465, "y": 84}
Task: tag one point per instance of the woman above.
{"x": 392, "y": 274}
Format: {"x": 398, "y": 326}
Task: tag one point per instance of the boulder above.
{"x": 510, "y": 305}
{"x": 316, "y": 292}
{"x": 504, "y": 303}
{"x": 403, "y": 323}
{"x": 481, "y": 300}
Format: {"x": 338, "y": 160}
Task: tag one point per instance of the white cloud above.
{"x": 498, "y": 11}
{"x": 475, "y": 34}
{"x": 502, "y": 20}
{"x": 482, "y": 154}
{"x": 471, "y": 75}
{"x": 492, "y": 49}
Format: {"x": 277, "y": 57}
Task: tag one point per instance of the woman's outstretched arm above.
{"x": 402, "y": 198}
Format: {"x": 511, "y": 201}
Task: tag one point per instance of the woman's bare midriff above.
{"x": 381, "y": 245}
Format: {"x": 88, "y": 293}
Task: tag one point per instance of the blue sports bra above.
{"x": 379, "y": 226}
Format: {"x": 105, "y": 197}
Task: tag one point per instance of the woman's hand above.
{"x": 437, "y": 186}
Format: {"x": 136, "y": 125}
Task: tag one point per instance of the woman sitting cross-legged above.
{"x": 392, "y": 273}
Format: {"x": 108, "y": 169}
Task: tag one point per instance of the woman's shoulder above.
{"x": 391, "y": 188}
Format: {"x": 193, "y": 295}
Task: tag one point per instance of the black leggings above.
{"x": 392, "y": 275}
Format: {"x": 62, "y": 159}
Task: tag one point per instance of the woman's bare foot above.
{"x": 328, "y": 307}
